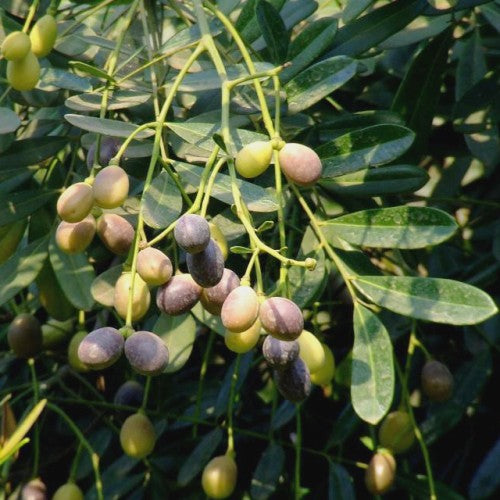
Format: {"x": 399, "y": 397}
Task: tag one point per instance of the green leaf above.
{"x": 105, "y": 126}
{"x": 395, "y": 227}
{"x": 339, "y": 483}
{"x": 91, "y": 70}
{"x": 103, "y": 286}
{"x": 121, "y": 99}
{"x": 432, "y": 299}
{"x": 162, "y": 202}
{"x": 26, "y": 152}
{"x": 213, "y": 322}
{"x": 55, "y": 78}
{"x": 17, "y": 206}
{"x": 273, "y": 30}
{"x": 22, "y": 268}
{"x": 9, "y": 121}
{"x": 75, "y": 276}
{"x": 267, "y": 473}
{"x": 178, "y": 333}
{"x": 353, "y": 8}
{"x": 370, "y": 146}
{"x": 247, "y": 23}
{"x": 418, "y": 487}
{"x": 486, "y": 479}
{"x": 372, "y": 374}
{"x": 318, "y": 81}
{"x": 188, "y": 37}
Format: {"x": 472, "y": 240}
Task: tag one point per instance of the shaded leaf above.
{"x": 26, "y": 152}
{"x": 103, "y": 286}
{"x": 213, "y": 322}
{"x": 339, "y": 483}
{"x": 267, "y": 473}
{"x": 121, "y": 99}
{"x": 273, "y": 30}
{"x": 55, "y": 78}
{"x": 17, "y": 206}
{"x": 106, "y": 126}
{"x": 486, "y": 480}
{"x": 9, "y": 121}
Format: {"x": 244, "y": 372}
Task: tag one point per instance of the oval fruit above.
{"x": 16, "y": 46}
{"x": 437, "y": 381}
{"x": 219, "y": 238}
{"x": 311, "y": 351}
{"x": 24, "y": 336}
{"x": 192, "y": 233}
{"x": 137, "y": 436}
{"x": 396, "y": 432}
{"x": 34, "y": 490}
{"x": 25, "y": 73}
{"x": 68, "y": 491}
{"x": 206, "y": 267}
{"x": 110, "y": 187}
{"x": 75, "y": 237}
{"x": 109, "y": 147}
{"x": 240, "y": 309}
{"x": 213, "y": 297}
{"x": 141, "y": 296}
{"x": 55, "y": 332}
{"x": 146, "y": 353}
{"x": 219, "y": 477}
{"x": 73, "y": 359}
{"x": 280, "y": 353}
{"x": 242, "y": 342}
{"x": 281, "y": 318}
{"x": 178, "y": 295}
{"x": 254, "y": 159}
{"x": 153, "y": 266}
{"x": 10, "y": 237}
{"x": 294, "y": 381}
{"x": 130, "y": 393}
{"x": 325, "y": 374}
{"x": 76, "y": 202}
{"x": 380, "y": 474}
{"x": 101, "y": 348}
{"x": 43, "y": 35}
{"x": 300, "y": 164}
{"x": 115, "y": 232}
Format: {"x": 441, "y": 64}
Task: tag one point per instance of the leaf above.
{"x": 283, "y": 414}
{"x": 267, "y": 473}
{"x": 121, "y": 99}
{"x": 273, "y": 30}
{"x": 26, "y": 152}
{"x": 103, "y": 286}
{"x": 395, "y": 227}
{"x": 372, "y": 374}
{"x": 91, "y": 70}
{"x": 486, "y": 480}
{"x": 55, "y": 78}
{"x": 353, "y": 8}
{"x": 345, "y": 424}
{"x": 178, "y": 333}
{"x": 370, "y": 146}
{"x": 105, "y": 126}
{"x": 188, "y": 37}
{"x": 418, "y": 487}
{"x": 213, "y": 322}
{"x": 247, "y": 23}
{"x": 339, "y": 483}
{"x": 162, "y": 202}
{"x": 318, "y": 81}
{"x": 9, "y": 121}
{"x": 74, "y": 274}
{"x": 199, "y": 456}
{"x": 17, "y": 206}
{"x": 432, "y": 299}
{"x": 22, "y": 268}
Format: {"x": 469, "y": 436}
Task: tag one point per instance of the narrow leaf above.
{"x": 17, "y": 206}
{"x": 486, "y": 479}
{"x": 121, "y": 99}
{"x": 26, "y": 152}
{"x": 105, "y": 126}
{"x": 273, "y": 29}
{"x": 339, "y": 483}
{"x": 9, "y": 121}
{"x": 267, "y": 473}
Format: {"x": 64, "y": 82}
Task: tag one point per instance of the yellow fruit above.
{"x": 380, "y": 473}
{"x": 137, "y": 436}
{"x": 16, "y": 46}
{"x": 68, "y": 491}
{"x": 219, "y": 238}
{"x": 110, "y": 187}
{"x": 311, "y": 351}
{"x": 325, "y": 374}
{"x": 75, "y": 237}
{"x": 396, "y": 432}
{"x": 154, "y": 267}
{"x": 243, "y": 341}
{"x": 43, "y": 35}
{"x": 141, "y": 298}
{"x": 219, "y": 477}
{"x": 254, "y": 158}
{"x": 75, "y": 202}
{"x": 25, "y": 73}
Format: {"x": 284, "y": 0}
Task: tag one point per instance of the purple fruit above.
{"x": 192, "y": 233}
{"x": 101, "y": 348}
{"x": 206, "y": 267}
{"x": 146, "y": 353}
{"x": 178, "y": 295}
{"x": 280, "y": 353}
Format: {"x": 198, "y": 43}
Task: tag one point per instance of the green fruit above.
{"x": 141, "y": 296}
{"x": 153, "y": 266}
{"x": 43, "y": 35}
{"x": 300, "y": 164}
{"x": 55, "y": 332}
{"x": 437, "y": 381}
{"x": 219, "y": 477}
{"x": 16, "y": 46}
{"x": 281, "y": 318}
{"x": 325, "y": 374}
{"x": 240, "y": 309}
{"x": 23, "y": 74}
{"x": 10, "y": 236}
{"x": 75, "y": 237}
{"x": 76, "y": 202}
{"x": 396, "y": 432}
{"x": 219, "y": 238}
{"x": 137, "y": 436}
{"x": 242, "y": 342}
{"x": 380, "y": 473}
{"x": 254, "y": 159}
{"x": 73, "y": 359}
{"x": 311, "y": 351}
{"x": 115, "y": 232}
{"x": 110, "y": 187}
{"x": 24, "y": 336}
{"x": 68, "y": 491}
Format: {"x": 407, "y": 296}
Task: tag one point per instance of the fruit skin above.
{"x": 178, "y": 295}
{"x": 68, "y": 491}
{"x": 24, "y": 336}
{"x": 75, "y": 237}
{"x": 254, "y": 159}
{"x": 34, "y": 490}
{"x": 219, "y": 477}
{"x": 279, "y": 353}
{"x": 396, "y": 432}
{"x": 380, "y": 474}
{"x": 73, "y": 359}
{"x": 206, "y": 267}
{"x": 437, "y": 381}
{"x": 192, "y": 233}
{"x": 110, "y": 187}
{"x": 23, "y": 74}
{"x": 242, "y": 342}
{"x": 294, "y": 381}
{"x": 325, "y": 374}
{"x": 101, "y": 348}
{"x": 137, "y": 436}
{"x": 141, "y": 298}
{"x": 16, "y": 46}
{"x": 300, "y": 164}
{"x": 219, "y": 238}
{"x": 43, "y": 35}
{"x": 311, "y": 351}
{"x": 55, "y": 332}
{"x": 130, "y": 393}
{"x": 115, "y": 232}
{"x": 281, "y": 318}
{"x": 109, "y": 148}
{"x": 213, "y": 297}
{"x": 10, "y": 237}
{"x": 240, "y": 309}
{"x": 153, "y": 266}
{"x": 75, "y": 202}
{"x": 146, "y": 353}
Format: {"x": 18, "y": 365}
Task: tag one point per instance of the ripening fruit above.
{"x": 137, "y": 436}
{"x": 73, "y": 359}
{"x": 219, "y": 238}
{"x": 192, "y": 233}
{"x": 24, "y": 336}
{"x": 34, "y": 490}
{"x": 25, "y": 73}
{"x": 76, "y": 202}
{"x": 146, "y": 353}
{"x": 178, "y": 295}
{"x": 212, "y": 298}
{"x": 141, "y": 297}
{"x": 130, "y": 393}
{"x": 68, "y": 491}
{"x": 294, "y": 381}
{"x": 55, "y": 332}
{"x": 75, "y": 237}
{"x": 325, "y": 374}
{"x": 101, "y": 348}
{"x": 437, "y": 381}
{"x": 242, "y": 342}
{"x": 16, "y": 46}
{"x": 396, "y": 432}
{"x": 109, "y": 147}
{"x": 43, "y": 35}
{"x": 115, "y": 232}
{"x": 206, "y": 267}
{"x": 153, "y": 266}
{"x": 279, "y": 353}
{"x": 281, "y": 318}
{"x": 240, "y": 309}
{"x": 219, "y": 477}
{"x": 10, "y": 237}
{"x": 380, "y": 473}
{"x": 254, "y": 159}
{"x": 311, "y": 351}
{"x": 300, "y": 164}
{"x": 110, "y": 187}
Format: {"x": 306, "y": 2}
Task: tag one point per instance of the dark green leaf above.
{"x": 16, "y": 206}
{"x": 55, "y": 78}
{"x": 339, "y": 483}
{"x": 91, "y": 70}
{"x": 353, "y": 8}
{"x": 273, "y": 29}
{"x": 418, "y": 487}
{"x": 284, "y": 413}
{"x": 32, "y": 151}
{"x": 9, "y": 121}
{"x": 486, "y": 480}
{"x": 105, "y": 126}
{"x": 345, "y": 424}
{"x": 267, "y": 473}
{"x": 188, "y": 37}
{"x": 247, "y": 24}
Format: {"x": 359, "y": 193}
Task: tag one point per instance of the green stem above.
{"x": 147, "y": 389}
{"x": 5, "y": 94}
{"x": 298, "y": 449}
{"x": 30, "y": 16}
{"x": 36, "y": 427}
{"x": 230, "y": 404}
{"x": 210, "y": 185}
{"x": 74, "y": 464}
{"x": 245, "y": 279}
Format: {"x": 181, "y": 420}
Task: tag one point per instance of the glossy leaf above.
{"x": 188, "y": 37}
{"x": 106, "y": 126}
{"x": 486, "y": 479}
{"x": 247, "y": 23}
{"x": 26, "y": 152}
{"x": 273, "y": 30}
{"x": 55, "y": 78}
{"x": 103, "y": 286}
{"x": 9, "y": 121}
{"x": 432, "y": 299}
{"x": 267, "y": 473}
{"x": 339, "y": 483}
{"x": 91, "y": 70}
{"x": 372, "y": 374}
{"x": 18, "y": 205}
{"x": 353, "y": 8}
{"x": 121, "y": 99}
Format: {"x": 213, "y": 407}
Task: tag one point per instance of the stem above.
{"x": 210, "y": 185}
{"x": 147, "y": 389}
{"x": 298, "y": 446}
{"x": 36, "y": 428}
{"x": 30, "y": 16}
{"x": 5, "y": 94}
{"x": 76, "y": 461}
{"x": 230, "y": 404}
